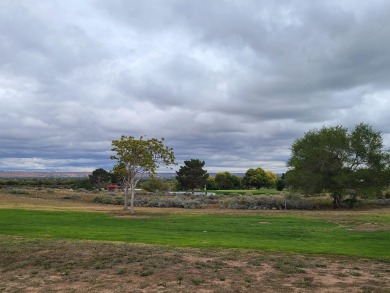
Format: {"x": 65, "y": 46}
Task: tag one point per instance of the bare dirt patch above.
{"x": 34, "y": 265}
{"x": 370, "y": 227}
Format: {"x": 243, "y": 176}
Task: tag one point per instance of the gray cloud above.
{"x": 231, "y": 82}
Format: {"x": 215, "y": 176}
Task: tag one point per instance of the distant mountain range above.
{"x": 49, "y": 174}
{"x": 38, "y": 174}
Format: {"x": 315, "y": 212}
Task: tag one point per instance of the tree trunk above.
{"x": 132, "y": 201}
{"x": 126, "y": 206}
{"x": 336, "y": 201}
{"x": 132, "y": 189}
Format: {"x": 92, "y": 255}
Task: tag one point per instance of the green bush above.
{"x": 293, "y": 196}
{"x": 118, "y": 200}
{"x": 108, "y": 199}
{"x": 105, "y": 199}
{"x": 386, "y": 193}
{"x": 349, "y": 202}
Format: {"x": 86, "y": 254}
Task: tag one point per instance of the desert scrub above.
{"x": 72, "y": 197}
{"x": 232, "y": 201}
{"x": 266, "y": 202}
{"x": 186, "y": 202}
{"x": 380, "y": 202}
{"x": 108, "y": 199}
{"x": 18, "y": 192}
{"x": 169, "y": 202}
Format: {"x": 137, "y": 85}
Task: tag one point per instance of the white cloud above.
{"x": 231, "y": 82}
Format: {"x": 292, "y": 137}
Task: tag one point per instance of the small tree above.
{"x": 280, "y": 184}
{"x": 272, "y": 178}
{"x": 99, "y": 177}
{"x": 237, "y": 182}
{"x": 210, "y": 183}
{"x": 335, "y": 161}
{"x": 135, "y": 157}
{"x": 257, "y": 178}
{"x": 227, "y": 180}
{"x": 191, "y": 175}
{"x": 224, "y": 180}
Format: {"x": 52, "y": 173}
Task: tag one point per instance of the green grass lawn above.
{"x": 287, "y": 233}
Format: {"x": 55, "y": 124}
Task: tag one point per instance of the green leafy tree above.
{"x": 84, "y": 183}
{"x": 227, "y": 181}
{"x": 237, "y": 182}
{"x": 224, "y": 180}
{"x": 99, "y": 178}
{"x": 280, "y": 184}
{"x": 135, "y": 157}
{"x": 114, "y": 177}
{"x": 258, "y": 178}
{"x": 333, "y": 160}
{"x": 210, "y": 183}
{"x": 191, "y": 175}
{"x": 272, "y": 178}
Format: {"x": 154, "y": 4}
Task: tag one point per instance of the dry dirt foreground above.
{"x": 33, "y": 265}
{"x": 86, "y": 266}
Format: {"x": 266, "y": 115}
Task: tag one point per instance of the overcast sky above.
{"x": 230, "y": 82}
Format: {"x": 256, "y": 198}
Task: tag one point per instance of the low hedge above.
{"x": 189, "y": 201}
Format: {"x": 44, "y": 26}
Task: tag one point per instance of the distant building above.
{"x": 113, "y": 187}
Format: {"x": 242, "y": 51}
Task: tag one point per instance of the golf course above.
{"x": 48, "y": 243}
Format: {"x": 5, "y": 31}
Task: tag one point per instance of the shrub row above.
{"x": 265, "y": 203}
{"x": 170, "y": 203}
{"x": 380, "y": 202}
{"x": 232, "y": 201}
{"x": 160, "y": 202}
{"x": 188, "y": 201}
{"x": 108, "y": 199}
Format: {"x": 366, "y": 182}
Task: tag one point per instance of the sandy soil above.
{"x": 86, "y": 266}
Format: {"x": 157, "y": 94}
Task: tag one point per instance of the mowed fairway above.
{"x": 363, "y": 235}
{"x": 45, "y": 246}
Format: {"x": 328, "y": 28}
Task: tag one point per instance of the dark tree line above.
{"x": 328, "y": 160}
